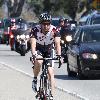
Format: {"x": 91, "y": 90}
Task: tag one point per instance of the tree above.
{"x": 15, "y": 7}
{"x": 71, "y": 8}
{"x": 55, "y": 7}
{"x": 1, "y": 2}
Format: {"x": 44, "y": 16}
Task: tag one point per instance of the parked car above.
{"x": 84, "y": 52}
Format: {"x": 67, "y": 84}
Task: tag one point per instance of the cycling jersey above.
{"x": 44, "y": 39}
{"x": 44, "y": 42}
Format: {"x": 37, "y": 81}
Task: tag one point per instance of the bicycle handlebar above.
{"x": 48, "y": 59}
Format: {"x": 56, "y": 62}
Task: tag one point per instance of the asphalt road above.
{"x": 17, "y": 86}
{"x": 84, "y": 89}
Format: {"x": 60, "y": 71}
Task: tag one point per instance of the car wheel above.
{"x": 70, "y": 73}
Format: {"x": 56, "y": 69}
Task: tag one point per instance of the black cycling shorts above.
{"x": 47, "y": 55}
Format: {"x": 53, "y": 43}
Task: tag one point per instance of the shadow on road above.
{"x": 93, "y": 77}
{"x": 65, "y": 77}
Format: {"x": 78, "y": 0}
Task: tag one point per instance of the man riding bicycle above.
{"x": 43, "y": 36}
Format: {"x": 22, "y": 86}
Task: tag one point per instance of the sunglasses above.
{"x": 46, "y": 24}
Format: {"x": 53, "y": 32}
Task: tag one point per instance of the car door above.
{"x": 73, "y": 51}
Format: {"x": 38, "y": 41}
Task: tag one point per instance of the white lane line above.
{"x": 57, "y": 87}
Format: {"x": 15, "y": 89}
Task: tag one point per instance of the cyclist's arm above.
{"x": 33, "y": 45}
{"x": 57, "y": 45}
{"x": 33, "y": 41}
{"x": 57, "y": 38}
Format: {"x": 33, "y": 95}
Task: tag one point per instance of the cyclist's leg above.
{"x": 37, "y": 65}
{"x": 51, "y": 74}
{"x": 51, "y": 78}
{"x": 36, "y": 70}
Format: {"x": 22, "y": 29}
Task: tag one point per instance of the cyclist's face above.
{"x": 45, "y": 26}
{"x": 62, "y": 23}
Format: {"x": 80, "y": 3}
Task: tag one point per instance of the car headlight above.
{"x": 22, "y": 36}
{"x": 62, "y": 41}
{"x": 68, "y": 38}
{"x": 89, "y": 56}
{"x": 18, "y": 36}
{"x": 12, "y": 36}
{"x": 27, "y": 36}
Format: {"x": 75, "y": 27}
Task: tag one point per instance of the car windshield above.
{"x": 91, "y": 35}
{"x": 96, "y": 21}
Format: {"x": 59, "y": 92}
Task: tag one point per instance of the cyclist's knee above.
{"x": 51, "y": 72}
{"x": 36, "y": 66}
{"x": 39, "y": 61}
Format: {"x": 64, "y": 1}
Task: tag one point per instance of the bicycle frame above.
{"x": 44, "y": 91}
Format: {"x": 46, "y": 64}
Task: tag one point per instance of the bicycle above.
{"x": 44, "y": 90}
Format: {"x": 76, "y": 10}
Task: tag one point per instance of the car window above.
{"x": 91, "y": 35}
{"x": 86, "y": 36}
{"x": 96, "y": 35}
{"x": 96, "y": 21}
{"x": 88, "y": 21}
{"x": 77, "y": 35}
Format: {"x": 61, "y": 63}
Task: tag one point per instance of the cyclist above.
{"x": 12, "y": 29}
{"x": 61, "y": 23}
{"x": 41, "y": 34}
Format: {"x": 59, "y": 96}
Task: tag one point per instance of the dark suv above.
{"x": 93, "y": 18}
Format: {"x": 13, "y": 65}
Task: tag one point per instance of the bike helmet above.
{"x": 45, "y": 17}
